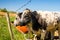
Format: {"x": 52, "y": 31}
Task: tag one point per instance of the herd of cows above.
{"x": 40, "y": 21}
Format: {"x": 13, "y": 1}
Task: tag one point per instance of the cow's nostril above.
{"x": 22, "y": 24}
{"x": 16, "y": 25}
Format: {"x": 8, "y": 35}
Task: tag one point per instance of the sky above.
{"x": 45, "y": 5}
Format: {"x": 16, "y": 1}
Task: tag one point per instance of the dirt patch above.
{"x": 10, "y": 14}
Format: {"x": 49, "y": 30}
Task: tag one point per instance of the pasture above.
{"x": 4, "y": 32}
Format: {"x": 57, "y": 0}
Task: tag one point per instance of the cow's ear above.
{"x": 34, "y": 12}
{"x": 19, "y": 14}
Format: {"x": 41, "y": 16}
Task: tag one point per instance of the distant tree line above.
{"x": 5, "y": 10}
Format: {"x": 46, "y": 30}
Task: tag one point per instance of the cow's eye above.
{"x": 16, "y": 18}
{"x": 26, "y": 16}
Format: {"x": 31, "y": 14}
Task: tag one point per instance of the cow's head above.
{"x": 22, "y": 18}
{"x": 17, "y": 19}
{"x": 25, "y": 17}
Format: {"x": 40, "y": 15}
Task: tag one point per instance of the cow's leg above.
{"x": 47, "y": 36}
{"x": 59, "y": 32}
{"x": 52, "y": 35}
{"x": 43, "y": 34}
{"x": 38, "y": 34}
{"x": 58, "y": 23}
{"x": 38, "y": 37}
{"x": 34, "y": 37}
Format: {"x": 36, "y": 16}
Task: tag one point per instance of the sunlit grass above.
{"x": 4, "y": 32}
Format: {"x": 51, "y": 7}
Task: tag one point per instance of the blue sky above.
{"x": 50, "y": 5}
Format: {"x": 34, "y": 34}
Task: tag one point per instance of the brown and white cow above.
{"x": 39, "y": 20}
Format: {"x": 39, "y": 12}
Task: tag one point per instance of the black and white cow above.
{"x": 39, "y": 20}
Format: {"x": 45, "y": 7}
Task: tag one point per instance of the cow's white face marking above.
{"x": 25, "y": 12}
{"x": 22, "y": 17}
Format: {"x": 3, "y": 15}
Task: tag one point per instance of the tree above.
{"x": 3, "y": 10}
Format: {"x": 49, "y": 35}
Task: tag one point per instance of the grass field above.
{"x": 4, "y": 32}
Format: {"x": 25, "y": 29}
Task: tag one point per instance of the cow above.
{"x": 39, "y": 20}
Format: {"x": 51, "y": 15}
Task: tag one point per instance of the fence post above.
{"x": 9, "y": 26}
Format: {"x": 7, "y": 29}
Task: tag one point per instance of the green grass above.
{"x": 4, "y": 32}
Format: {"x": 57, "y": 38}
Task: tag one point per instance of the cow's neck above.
{"x": 35, "y": 25}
